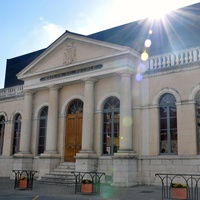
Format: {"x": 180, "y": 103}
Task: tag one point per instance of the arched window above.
{"x": 168, "y": 125}
{"x": 42, "y": 130}
{"x": 197, "y": 99}
{"x": 17, "y": 133}
{"x": 2, "y": 128}
{"x": 75, "y": 107}
{"x": 111, "y": 116}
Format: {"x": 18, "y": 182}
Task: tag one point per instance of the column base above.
{"x": 49, "y": 155}
{"x": 125, "y": 165}
{"x": 86, "y": 162}
{"x": 23, "y": 155}
{"x": 50, "y": 152}
{"x": 48, "y": 162}
{"x": 125, "y": 153}
{"x": 87, "y": 152}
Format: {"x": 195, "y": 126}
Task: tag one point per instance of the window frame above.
{"x": 2, "y": 128}
{"x": 197, "y": 116}
{"x": 16, "y": 133}
{"x": 168, "y": 119}
{"x": 112, "y": 111}
{"x": 45, "y": 119}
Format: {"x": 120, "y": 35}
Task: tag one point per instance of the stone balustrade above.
{"x": 174, "y": 59}
{"x": 11, "y": 92}
{"x": 187, "y": 56}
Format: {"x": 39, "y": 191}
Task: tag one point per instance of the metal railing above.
{"x": 94, "y": 177}
{"x": 191, "y": 181}
{"x": 25, "y": 176}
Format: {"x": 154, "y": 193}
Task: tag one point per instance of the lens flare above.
{"x": 127, "y": 121}
{"x": 141, "y": 68}
{"x": 138, "y": 77}
{"x": 147, "y": 43}
{"x": 150, "y": 31}
{"x": 144, "y": 56}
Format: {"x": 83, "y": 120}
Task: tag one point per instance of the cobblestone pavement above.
{"x": 60, "y": 192}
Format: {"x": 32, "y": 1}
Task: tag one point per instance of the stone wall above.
{"x": 149, "y": 166}
{"x": 6, "y": 166}
{"x": 105, "y": 164}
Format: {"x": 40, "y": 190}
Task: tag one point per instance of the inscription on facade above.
{"x": 73, "y": 72}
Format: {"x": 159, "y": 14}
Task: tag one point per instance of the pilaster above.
{"x": 25, "y": 138}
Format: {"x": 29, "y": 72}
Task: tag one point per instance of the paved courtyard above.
{"x": 59, "y": 192}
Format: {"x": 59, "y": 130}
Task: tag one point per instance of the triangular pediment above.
{"x": 69, "y": 50}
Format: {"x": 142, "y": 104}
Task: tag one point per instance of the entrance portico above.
{"x": 71, "y": 135}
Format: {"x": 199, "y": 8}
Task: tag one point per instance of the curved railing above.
{"x": 27, "y": 176}
{"x": 191, "y": 181}
{"x": 94, "y": 177}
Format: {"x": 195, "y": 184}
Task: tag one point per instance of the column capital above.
{"x": 54, "y": 87}
{"x": 90, "y": 80}
{"x": 28, "y": 91}
{"x": 125, "y": 73}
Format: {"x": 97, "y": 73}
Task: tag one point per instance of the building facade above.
{"x": 94, "y": 102}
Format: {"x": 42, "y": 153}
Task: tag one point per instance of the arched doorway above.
{"x": 73, "y": 136}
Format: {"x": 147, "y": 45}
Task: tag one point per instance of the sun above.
{"x": 160, "y": 13}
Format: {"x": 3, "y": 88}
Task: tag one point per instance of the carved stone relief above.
{"x": 69, "y": 55}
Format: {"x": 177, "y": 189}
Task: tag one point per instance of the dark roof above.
{"x": 15, "y": 65}
{"x": 178, "y": 31}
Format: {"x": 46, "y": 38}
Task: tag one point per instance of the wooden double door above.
{"x": 73, "y": 138}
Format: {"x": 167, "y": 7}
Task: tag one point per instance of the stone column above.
{"x": 52, "y": 124}
{"x": 125, "y": 113}
{"x": 25, "y": 138}
{"x": 125, "y": 160}
{"x": 86, "y": 160}
{"x": 23, "y": 160}
{"x": 88, "y": 116}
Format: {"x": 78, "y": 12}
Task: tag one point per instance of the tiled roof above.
{"x": 180, "y": 29}
{"x": 15, "y": 65}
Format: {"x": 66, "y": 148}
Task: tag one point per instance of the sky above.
{"x": 30, "y": 25}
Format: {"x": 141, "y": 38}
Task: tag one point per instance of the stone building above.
{"x": 91, "y": 100}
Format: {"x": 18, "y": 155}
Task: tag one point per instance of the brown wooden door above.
{"x": 73, "y": 136}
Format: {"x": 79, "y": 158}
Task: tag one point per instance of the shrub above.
{"x": 86, "y": 181}
{"x": 178, "y": 185}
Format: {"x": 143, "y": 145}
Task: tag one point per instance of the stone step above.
{"x": 63, "y": 170}
{"x": 68, "y": 164}
{"x": 65, "y": 167}
{"x": 56, "y": 178}
{"x": 56, "y": 182}
{"x": 60, "y": 175}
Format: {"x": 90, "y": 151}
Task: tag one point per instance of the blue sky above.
{"x": 30, "y": 25}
